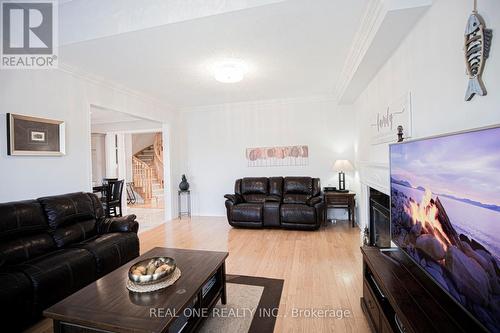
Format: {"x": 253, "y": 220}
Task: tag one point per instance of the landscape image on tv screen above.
{"x": 445, "y": 214}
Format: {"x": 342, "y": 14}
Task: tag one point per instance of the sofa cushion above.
{"x": 58, "y": 274}
{"x": 67, "y": 208}
{"x": 297, "y": 213}
{"x": 21, "y": 249}
{"x": 297, "y": 190}
{"x": 296, "y": 198}
{"x": 276, "y": 186}
{"x": 73, "y": 233}
{"x": 247, "y": 212}
{"x": 254, "y": 198}
{"x": 298, "y": 185}
{"x": 112, "y": 250}
{"x": 254, "y": 186}
{"x": 21, "y": 218}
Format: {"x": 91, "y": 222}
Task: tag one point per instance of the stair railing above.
{"x": 143, "y": 177}
{"x": 158, "y": 157}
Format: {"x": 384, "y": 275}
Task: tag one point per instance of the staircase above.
{"x": 148, "y": 173}
{"x": 146, "y": 155}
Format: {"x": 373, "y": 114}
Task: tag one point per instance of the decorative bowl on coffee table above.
{"x": 151, "y": 270}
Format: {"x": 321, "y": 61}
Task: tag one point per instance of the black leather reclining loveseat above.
{"x": 54, "y": 246}
{"x": 289, "y": 202}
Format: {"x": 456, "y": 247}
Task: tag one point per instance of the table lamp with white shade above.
{"x": 342, "y": 166}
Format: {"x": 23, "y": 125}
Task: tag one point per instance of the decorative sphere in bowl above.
{"x": 151, "y": 270}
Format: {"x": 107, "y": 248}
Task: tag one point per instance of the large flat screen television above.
{"x": 445, "y": 215}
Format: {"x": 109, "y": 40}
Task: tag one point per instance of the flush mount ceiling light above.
{"x": 230, "y": 70}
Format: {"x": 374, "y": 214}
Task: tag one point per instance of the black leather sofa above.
{"x": 54, "y": 246}
{"x": 276, "y": 202}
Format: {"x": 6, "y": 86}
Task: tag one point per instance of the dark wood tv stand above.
{"x": 394, "y": 286}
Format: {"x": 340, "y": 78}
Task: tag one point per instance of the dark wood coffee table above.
{"x": 108, "y": 306}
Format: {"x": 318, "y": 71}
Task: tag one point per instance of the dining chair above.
{"x": 113, "y": 189}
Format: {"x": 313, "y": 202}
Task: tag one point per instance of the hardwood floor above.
{"x": 322, "y": 270}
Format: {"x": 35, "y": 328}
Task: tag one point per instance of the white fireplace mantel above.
{"x": 375, "y": 175}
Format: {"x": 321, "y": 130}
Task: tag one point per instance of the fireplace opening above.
{"x": 380, "y": 219}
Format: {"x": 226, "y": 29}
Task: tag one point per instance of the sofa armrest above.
{"x": 118, "y": 224}
{"x": 320, "y": 213}
{"x": 234, "y": 198}
{"x": 314, "y": 201}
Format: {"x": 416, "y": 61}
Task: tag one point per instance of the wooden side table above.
{"x": 341, "y": 200}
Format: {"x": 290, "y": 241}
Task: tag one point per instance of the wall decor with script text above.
{"x": 28, "y": 135}
{"x": 278, "y": 156}
{"x": 384, "y": 124}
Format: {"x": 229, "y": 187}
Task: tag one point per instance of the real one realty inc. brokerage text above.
{"x": 244, "y": 312}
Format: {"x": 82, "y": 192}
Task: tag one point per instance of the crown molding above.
{"x": 370, "y": 23}
{"x": 383, "y": 27}
{"x": 262, "y": 103}
{"x": 98, "y": 80}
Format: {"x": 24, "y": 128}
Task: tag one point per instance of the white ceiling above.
{"x": 295, "y": 48}
{"x": 112, "y": 17}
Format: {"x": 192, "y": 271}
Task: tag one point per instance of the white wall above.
{"x": 98, "y": 158}
{"x": 128, "y": 156}
{"x": 216, "y": 138}
{"x": 430, "y": 64}
{"x": 110, "y": 146}
{"x": 60, "y": 95}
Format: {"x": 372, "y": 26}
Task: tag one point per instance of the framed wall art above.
{"x": 278, "y": 156}
{"x": 34, "y": 136}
